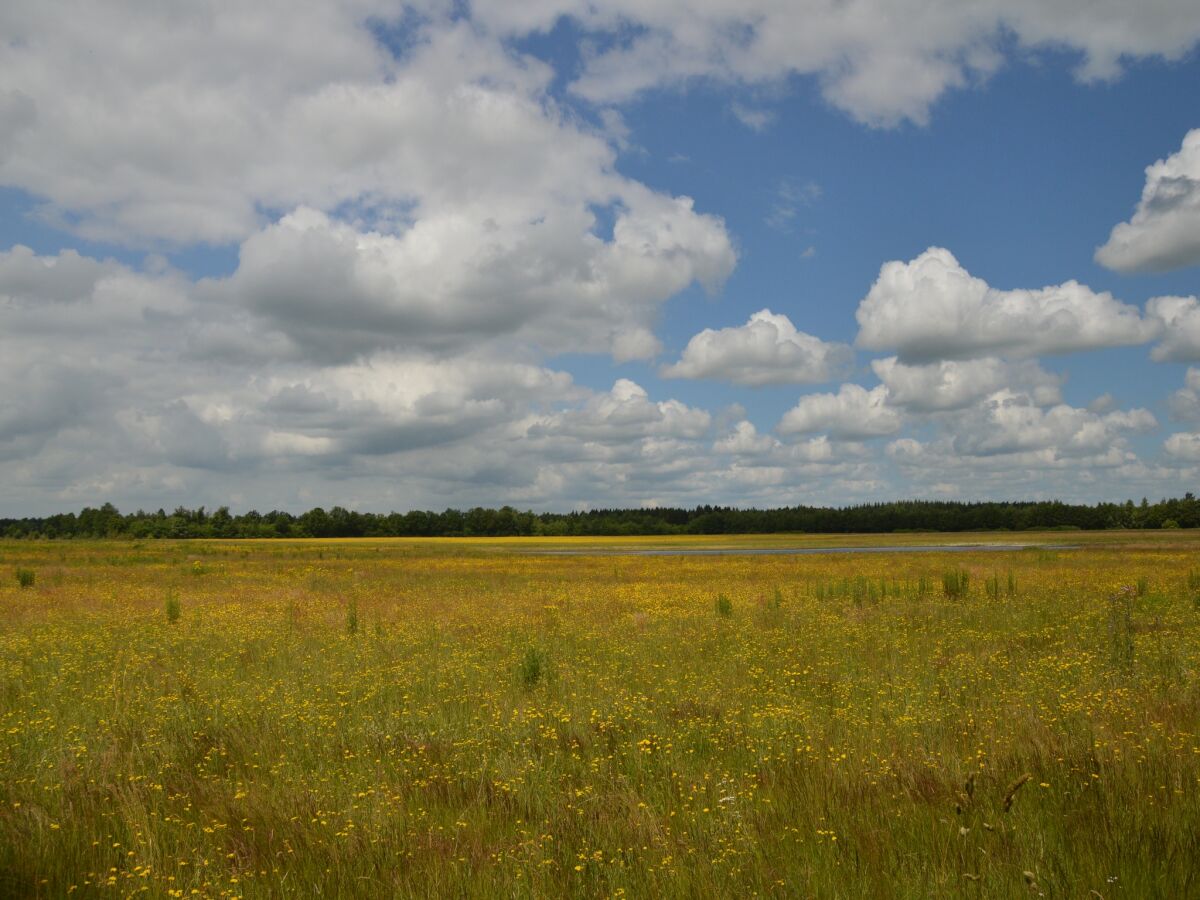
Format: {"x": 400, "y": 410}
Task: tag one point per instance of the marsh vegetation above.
{"x": 415, "y": 719}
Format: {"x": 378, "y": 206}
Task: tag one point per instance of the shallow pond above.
{"x": 789, "y": 551}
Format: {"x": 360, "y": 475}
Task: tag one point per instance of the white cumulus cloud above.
{"x": 451, "y": 280}
{"x": 1185, "y": 402}
{"x": 1164, "y": 232}
{"x": 953, "y": 384}
{"x": 1011, "y": 422}
{"x": 852, "y": 413}
{"x": 931, "y": 308}
{"x": 1184, "y": 446}
{"x": 1180, "y": 320}
{"x": 768, "y": 349}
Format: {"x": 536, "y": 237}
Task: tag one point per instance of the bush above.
{"x": 173, "y": 608}
{"x": 26, "y": 577}
{"x": 532, "y": 668}
{"x": 992, "y": 586}
{"x": 352, "y": 618}
{"x": 723, "y": 606}
{"x": 955, "y": 583}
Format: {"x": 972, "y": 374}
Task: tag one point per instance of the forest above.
{"x": 898, "y": 516}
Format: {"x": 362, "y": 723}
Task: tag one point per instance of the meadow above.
{"x": 454, "y": 718}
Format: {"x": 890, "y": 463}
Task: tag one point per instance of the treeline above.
{"x": 910, "y": 515}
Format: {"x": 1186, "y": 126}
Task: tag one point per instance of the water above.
{"x": 790, "y": 551}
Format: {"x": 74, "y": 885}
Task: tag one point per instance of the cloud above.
{"x": 1180, "y": 321}
{"x": 811, "y": 456}
{"x": 54, "y": 397}
{"x": 1185, "y": 402}
{"x": 1043, "y": 472}
{"x": 1184, "y": 446}
{"x": 852, "y": 413}
{"x": 626, "y": 413}
{"x": 141, "y": 124}
{"x": 931, "y": 308}
{"x": 1164, "y": 232}
{"x": 882, "y": 62}
{"x": 111, "y": 379}
{"x": 67, "y": 308}
{"x": 424, "y": 219}
{"x": 451, "y": 281}
{"x": 753, "y": 118}
{"x": 390, "y": 405}
{"x": 172, "y": 433}
{"x": 766, "y": 350}
{"x": 1009, "y": 442}
{"x": 1009, "y": 422}
{"x": 149, "y": 127}
{"x": 744, "y": 440}
{"x": 951, "y": 384}
{"x": 790, "y": 196}
{"x": 26, "y": 278}
{"x": 116, "y": 403}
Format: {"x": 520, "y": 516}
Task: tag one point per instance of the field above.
{"x": 456, "y": 718}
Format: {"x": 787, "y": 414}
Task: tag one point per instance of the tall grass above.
{"x": 533, "y": 667}
{"x": 956, "y": 583}
{"x": 532, "y": 726}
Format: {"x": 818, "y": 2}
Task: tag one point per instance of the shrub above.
{"x": 955, "y": 583}
{"x": 862, "y": 591}
{"x": 992, "y": 585}
{"x": 352, "y": 617}
{"x": 533, "y": 667}
{"x": 723, "y": 606}
{"x": 173, "y": 608}
{"x": 26, "y": 577}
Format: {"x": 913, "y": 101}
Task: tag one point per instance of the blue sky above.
{"x": 1021, "y": 178}
{"x": 396, "y": 256}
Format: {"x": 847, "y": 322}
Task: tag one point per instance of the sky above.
{"x": 568, "y": 255}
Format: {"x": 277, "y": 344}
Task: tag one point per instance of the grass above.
{"x": 533, "y": 667}
{"x": 956, "y": 583}
{"x": 850, "y": 731}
